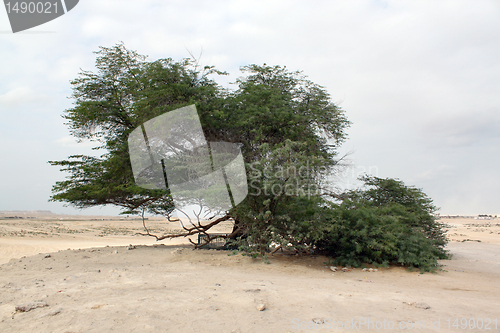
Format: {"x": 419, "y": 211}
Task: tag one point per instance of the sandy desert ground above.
{"x": 80, "y": 274}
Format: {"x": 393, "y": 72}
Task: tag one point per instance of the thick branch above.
{"x": 189, "y": 231}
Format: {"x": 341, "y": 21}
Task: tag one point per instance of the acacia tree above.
{"x": 289, "y": 132}
{"x": 284, "y": 123}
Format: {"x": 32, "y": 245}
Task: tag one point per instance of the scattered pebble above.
{"x": 52, "y": 313}
{"x": 252, "y": 290}
{"x": 261, "y": 307}
{"x": 420, "y": 305}
{"x": 370, "y": 270}
{"x": 30, "y": 306}
{"x": 47, "y": 256}
{"x": 333, "y": 268}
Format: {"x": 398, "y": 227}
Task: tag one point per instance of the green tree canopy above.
{"x": 125, "y": 92}
{"x": 289, "y": 132}
{"x": 283, "y": 122}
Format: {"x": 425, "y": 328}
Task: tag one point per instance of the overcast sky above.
{"x": 420, "y": 81}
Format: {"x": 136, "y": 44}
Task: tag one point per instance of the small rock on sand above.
{"x": 261, "y": 307}
{"x": 422, "y": 305}
{"x": 370, "y": 270}
{"x": 30, "y": 306}
{"x": 333, "y": 268}
{"x": 177, "y": 251}
{"x": 52, "y": 313}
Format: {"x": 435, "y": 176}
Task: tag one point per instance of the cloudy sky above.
{"x": 420, "y": 81}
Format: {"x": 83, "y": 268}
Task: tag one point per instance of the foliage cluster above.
{"x": 385, "y": 223}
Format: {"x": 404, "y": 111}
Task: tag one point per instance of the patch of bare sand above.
{"x": 159, "y": 288}
{"x": 51, "y": 233}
